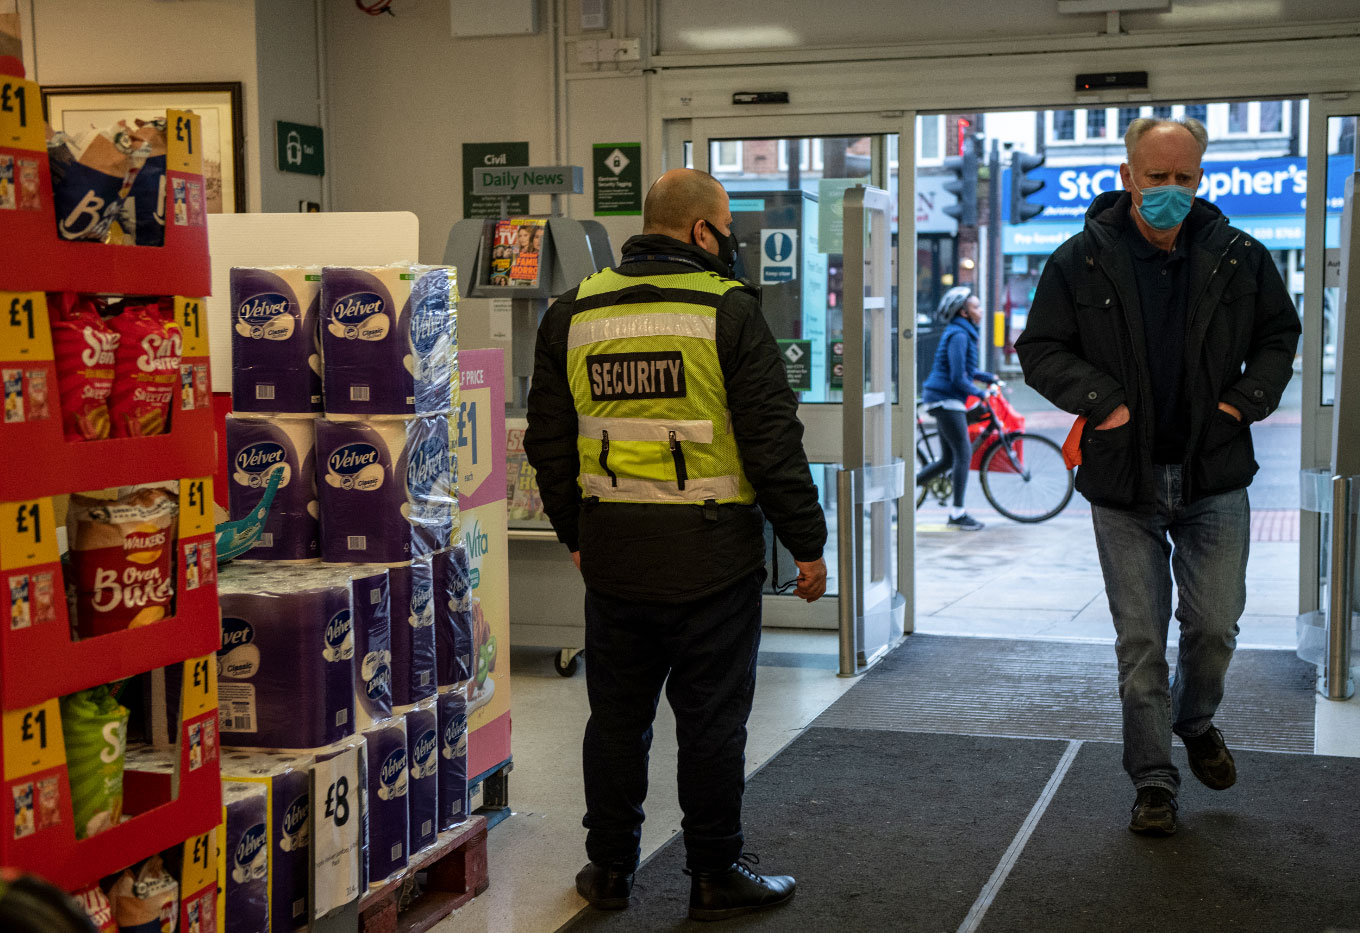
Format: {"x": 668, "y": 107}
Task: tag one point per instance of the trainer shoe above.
{"x": 604, "y": 887}
{"x": 717, "y": 895}
{"x": 1154, "y": 812}
{"x": 966, "y": 522}
{"x": 1210, "y": 759}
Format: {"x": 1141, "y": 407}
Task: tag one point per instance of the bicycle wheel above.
{"x": 1037, "y": 492}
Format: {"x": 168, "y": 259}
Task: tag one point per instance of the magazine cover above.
{"x": 528, "y": 240}
{"x": 502, "y": 253}
{"x": 521, "y": 480}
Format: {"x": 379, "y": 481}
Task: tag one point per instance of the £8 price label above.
{"x": 200, "y": 691}
{"x": 33, "y": 740}
{"x": 25, "y": 333}
{"x": 21, "y": 117}
{"x": 28, "y": 534}
{"x": 193, "y": 333}
{"x": 195, "y": 506}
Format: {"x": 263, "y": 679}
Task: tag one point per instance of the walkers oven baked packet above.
{"x": 122, "y": 554}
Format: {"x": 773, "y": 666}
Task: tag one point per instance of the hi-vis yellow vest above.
{"x": 642, "y": 362}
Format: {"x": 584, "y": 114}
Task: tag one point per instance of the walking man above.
{"x": 662, "y": 427}
{"x": 1170, "y": 332}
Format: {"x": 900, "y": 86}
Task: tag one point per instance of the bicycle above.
{"x": 1022, "y": 475}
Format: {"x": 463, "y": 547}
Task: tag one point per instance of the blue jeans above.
{"x": 1204, "y": 543}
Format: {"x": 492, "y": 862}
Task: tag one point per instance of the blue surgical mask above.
{"x": 1165, "y": 206}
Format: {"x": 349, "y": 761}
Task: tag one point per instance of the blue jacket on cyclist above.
{"x": 956, "y": 359}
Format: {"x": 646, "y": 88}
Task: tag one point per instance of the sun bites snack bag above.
{"x": 85, "y": 347}
{"x": 122, "y": 556}
{"x": 146, "y": 373}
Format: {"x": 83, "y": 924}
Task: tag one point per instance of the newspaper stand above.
{"x": 39, "y": 661}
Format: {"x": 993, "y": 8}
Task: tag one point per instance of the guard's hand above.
{"x": 1115, "y": 418}
{"x": 1230, "y": 409}
{"x": 576, "y": 559}
{"x": 811, "y": 579}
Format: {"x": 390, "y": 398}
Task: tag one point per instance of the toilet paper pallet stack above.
{"x": 343, "y": 380}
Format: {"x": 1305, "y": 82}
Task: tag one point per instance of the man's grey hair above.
{"x": 1140, "y": 126}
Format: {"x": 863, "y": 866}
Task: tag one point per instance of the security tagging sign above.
{"x": 337, "y": 821}
{"x": 778, "y": 255}
{"x": 797, "y": 356}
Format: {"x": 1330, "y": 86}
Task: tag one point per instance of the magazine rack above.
{"x": 39, "y": 660}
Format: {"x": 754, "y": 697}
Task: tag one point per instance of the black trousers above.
{"x": 957, "y": 452}
{"x": 704, "y": 652}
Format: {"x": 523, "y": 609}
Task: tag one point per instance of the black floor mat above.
{"x": 884, "y": 831}
{"x": 1280, "y": 851}
{"x": 999, "y": 686}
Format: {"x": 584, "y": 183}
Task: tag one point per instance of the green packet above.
{"x": 94, "y": 724}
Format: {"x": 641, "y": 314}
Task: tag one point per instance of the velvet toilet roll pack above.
{"x": 255, "y": 449}
{"x": 245, "y": 840}
{"x": 451, "y": 706}
{"x": 287, "y": 781}
{"x": 422, "y": 756}
{"x": 371, "y": 611}
{"x": 453, "y": 617}
{"x": 385, "y": 487}
{"x": 285, "y": 670}
{"x": 388, "y": 335}
{"x": 413, "y": 633}
{"x": 388, "y": 783}
{"x": 275, "y": 339}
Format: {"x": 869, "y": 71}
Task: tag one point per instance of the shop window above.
{"x": 929, "y": 141}
{"x": 1064, "y": 125}
{"x": 1126, "y": 116}
{"x": 809, "y": 155}
{"x": 1198, "y": 112}
{"x": 1272, "y": 116}
{"x": 1239, "y": 117}
{"x": 1097, "y": 124}
{"x": 725, "y": 155}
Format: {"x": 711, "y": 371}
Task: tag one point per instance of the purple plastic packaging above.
{"x": 453, "y": 617}
{"x": 371, "y": 610}
{"x": 255, "y": 449}
{"x": 422, "y": 750}
{"x": 453, "y": 787}
{"x": 389, "y": 339}
{"x": 246, "y": 889}
{"x": 413, "y": 637}
{"x": 388, "y": 783}
{"x": 287, "y": 779}
{"x": 385, "y": 489}
{"x": 275, "y": 339}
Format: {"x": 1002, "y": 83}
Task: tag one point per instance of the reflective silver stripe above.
{"x": 626, "y": 326}
{"x": 645, "y": 429}
{"x": 651, "y": 490}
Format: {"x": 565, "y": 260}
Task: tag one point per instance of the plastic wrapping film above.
{"x": 286, "y": 666}
{"x": 255, "y": 449}
{"x": 387, "y": 795}
{"x": 389, "y": 340}
{"x": 414, "y": 660}
{"x": 386, "y": 489}
{"x": 371, "y": 610}
{"x": 246, "y": 847}
{"x": 275, "y": 339}
{"x": 453, "y": 745}
{"x": 422, "y": 755}
{"x": 287, "y": 780}
{"x": 453, "y": 617}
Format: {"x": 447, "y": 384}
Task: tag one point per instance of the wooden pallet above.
{"x": 455, "y": 872}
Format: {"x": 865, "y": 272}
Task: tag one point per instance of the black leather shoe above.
{"x": 717, "y": 895}
{"x": 1210, "y": 759}
{"x": 1154, "y": 812}
{"x": 604, "y": 887}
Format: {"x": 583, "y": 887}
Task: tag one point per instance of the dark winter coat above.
{"x": 679, "y": 552}
{"x": 955, "y": 366}
{"x": 1084, "y": 350}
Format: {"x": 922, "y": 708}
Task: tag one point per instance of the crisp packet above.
{"x": 146, "y": 373}
{"x": 122, "y": 559}
{"x": 97, "y": 908}
{"x": 85, "y": 348}
{"x": 94, "y": 725}
{"x": 147, "y": 902}
{"x": 143, "y": 214}
{"x": 89, "y": 171}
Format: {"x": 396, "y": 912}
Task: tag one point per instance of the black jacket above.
{"x": 677, "y": 552}
{"x": 1084, "y": 350}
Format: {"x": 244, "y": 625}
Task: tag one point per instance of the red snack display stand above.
{"x": 39, "y": 659}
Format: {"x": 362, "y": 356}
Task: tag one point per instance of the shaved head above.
{"x": 679, "y": 199}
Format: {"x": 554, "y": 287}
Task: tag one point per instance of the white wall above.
{"x": 150, "y": 42}
{"x": 289, "y": 90}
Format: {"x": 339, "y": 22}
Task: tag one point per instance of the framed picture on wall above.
{"x": 16, "y": 32}
{"x": 77, "y": 108}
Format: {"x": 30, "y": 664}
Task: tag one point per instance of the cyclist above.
{"x": 945, "y": 394}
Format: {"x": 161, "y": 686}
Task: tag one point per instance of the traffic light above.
{"x": 964, "y": 185}
{"x": 1022, "y": 187}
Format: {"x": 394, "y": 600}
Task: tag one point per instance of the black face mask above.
{"x": 727, "y": 247}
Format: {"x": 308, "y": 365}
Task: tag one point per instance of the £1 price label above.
{"x": 200, "y": 863}
{"x": 33, "y": 740}
{"x": 184, "y": 142}
{"x": 21, "y": 116}
{"x": 25, "y": 331}
{"x": 192, "y": 327}
{"x": 199, "y": 694}
{"x": 28, "y": 534}
{"x": 195, "y": 507}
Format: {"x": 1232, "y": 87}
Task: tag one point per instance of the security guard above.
{"x": 662, "y": 427}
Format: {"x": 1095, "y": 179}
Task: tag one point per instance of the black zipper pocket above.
{"x": 678, "y": 455}
{"x": 604, "y": 458}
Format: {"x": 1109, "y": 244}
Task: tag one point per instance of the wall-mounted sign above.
{"x": 618, "y": 179}
{"x": 527, "y": 179}
{"x": 492, "y": 155}
{"x": 797, "y": 356}
{"x": 300, "y": 148}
